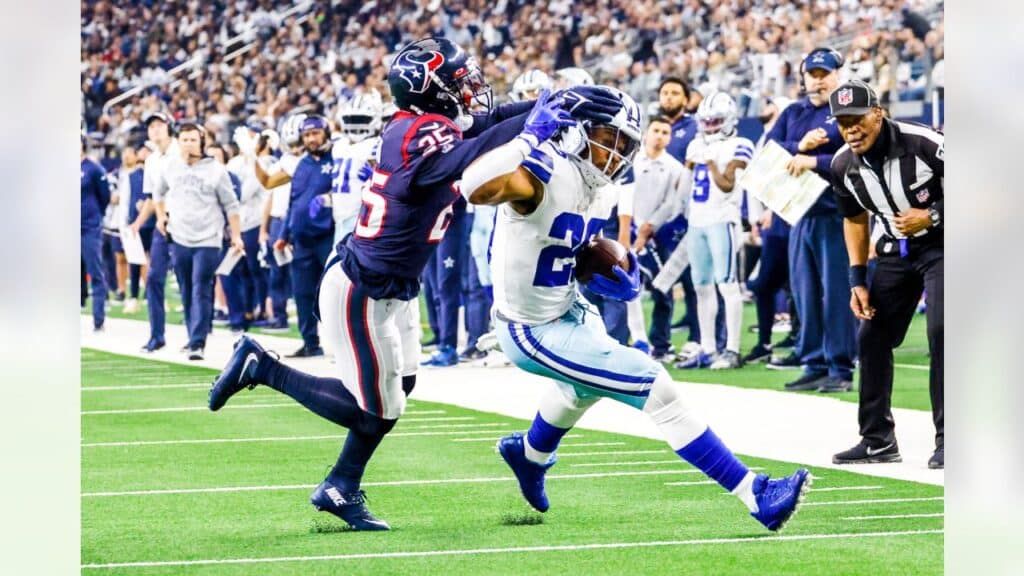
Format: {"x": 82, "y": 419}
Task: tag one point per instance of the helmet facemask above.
{"x": 604, "y": 153}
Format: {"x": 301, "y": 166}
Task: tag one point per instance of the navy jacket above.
{"x": 95, "y": 194}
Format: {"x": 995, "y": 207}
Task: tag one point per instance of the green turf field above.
{"x": 911, "y": 372}
{"x": 162, "y": 482}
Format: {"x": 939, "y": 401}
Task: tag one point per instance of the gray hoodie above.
{"x": 196, "y": 198}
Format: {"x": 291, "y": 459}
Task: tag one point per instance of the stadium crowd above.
{"x": 253, "y": 76}
{"x": 249, "y": 60}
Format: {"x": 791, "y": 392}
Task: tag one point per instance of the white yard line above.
{"x": 913, "y": 367}
{"x": 196, "y": 385}
{"x": 610, "y": 453}
{"x": 875, "y": 501}
{"x": 589, "y": 444}
{"x": 513, "y": 550}
{"x": 491, "y": 440}
{"x": 894, "y": 516}
{"x": 643, "y": 463}
{"x": 400, "y": 432}
{"x": 844, "y": 488}
{"x": 428, "y": 482}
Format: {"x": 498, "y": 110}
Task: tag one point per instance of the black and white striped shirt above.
{"x": 911, "y": 175}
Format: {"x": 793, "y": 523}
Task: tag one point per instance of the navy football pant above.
{"x": 278, "y": 286}
{"x": 819, "y": 277}
{"x": 246, "y": 287}
{"x": 306, "y": 269}
{"x": 478, "y": 305}
{"x": 613, "y": 314}
{"x": 92, "y": 256}
{"x": 447, "y": 281}
{"x": 156, "y": 280}
{"x": 772, "y": 277}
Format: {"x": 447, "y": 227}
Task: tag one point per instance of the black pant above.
{"x": 894, "y": 292}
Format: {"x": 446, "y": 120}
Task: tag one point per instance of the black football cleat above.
{"x": 350, "y": 507}
{"x": 239, "y": 373}
{"x": 306, "y": 352}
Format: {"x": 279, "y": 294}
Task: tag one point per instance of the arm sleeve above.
{"x": 482, "y": 122}
{"x": 449, "y": 165}
{"x": 627, "y": 193}
{"x": 779, "y": 133}
{"x": 226, "y": 192}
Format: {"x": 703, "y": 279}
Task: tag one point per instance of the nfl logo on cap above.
{"x": 845, "y": 96}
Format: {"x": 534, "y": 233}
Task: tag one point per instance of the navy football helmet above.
{"x": 434, "y": 75}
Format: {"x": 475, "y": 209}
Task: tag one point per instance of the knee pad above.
{"x": 561, "y": 406}
{"x": 729, "y": 290}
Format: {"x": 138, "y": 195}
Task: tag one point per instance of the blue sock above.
{"x": 544, "y": 437}
{"x": 326, "y": 397}
{"x": 711, "y": 456}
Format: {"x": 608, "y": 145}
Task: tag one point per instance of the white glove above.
{"x": 273, "y": 139}
{"x": 246, "y": 143}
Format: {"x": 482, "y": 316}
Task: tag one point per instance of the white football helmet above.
{"x": 573, "y": 77}
{"x": 290, "y": 129}
{"x": 529, "y": 85}
{"x": 717, "y": 116}
{"x": 387, "y": 112}
{"x": 360, "y": 116}
{"x": 621, "y": 141}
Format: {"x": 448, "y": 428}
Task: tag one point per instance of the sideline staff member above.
{"x": 894, "y": 171}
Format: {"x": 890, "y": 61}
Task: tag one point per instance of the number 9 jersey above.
{"x": 708, "y": 204}
{"x": 532, "y": 256}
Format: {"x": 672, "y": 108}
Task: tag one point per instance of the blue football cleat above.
{"x": 445, "y": 356}
{"x": 530, "y": 474}
{"x": 699, "y": 360}
{"x": 153, "y": 345}
{"x": 778, "y": 500}
{"x": 238, "y": 374}
{"x": 350, "y": 507}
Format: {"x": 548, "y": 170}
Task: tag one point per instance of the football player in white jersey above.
{"x": 276, "y": 177}
{"x": 714, "y": 215}
{"x": 354, "y": 154}
{"x": 550, "y": 183}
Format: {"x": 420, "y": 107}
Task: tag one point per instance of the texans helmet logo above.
{"x": 415, "y": 68}
{"x": 844, "y": 97}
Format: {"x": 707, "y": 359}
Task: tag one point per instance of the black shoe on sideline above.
{"x": 938, "y": 459}
{"x": 306, "y": 352}
{"x": 864, "y": 454}
{"x": 806, "y": 382}
{"x": 760, "y": 353}
{"x": 836, "y": 384}
{"x": 791, "y": 362}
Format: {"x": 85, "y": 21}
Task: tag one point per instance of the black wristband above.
{"x": 858, "y": 275}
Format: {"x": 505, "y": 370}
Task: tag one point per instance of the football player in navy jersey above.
{"x": 370, "y": 286}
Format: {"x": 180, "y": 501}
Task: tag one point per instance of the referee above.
{"x": 894, "y": 171}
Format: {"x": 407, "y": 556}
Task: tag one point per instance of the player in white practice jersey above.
{"x": 550, "y": 183}
{"x": 714, "y": 214}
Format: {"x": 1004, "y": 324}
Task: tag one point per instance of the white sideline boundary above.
{"x": 874, "y": 501}
{"x": 895, "y": 516}
{"x": 400, "y": 433}
{"x": 513, "y": 550}
{"x": 802, "y": 428}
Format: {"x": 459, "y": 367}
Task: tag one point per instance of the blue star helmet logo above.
{"x": 415, "y": 68}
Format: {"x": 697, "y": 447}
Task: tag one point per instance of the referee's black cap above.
{"x": 854, "y": 98}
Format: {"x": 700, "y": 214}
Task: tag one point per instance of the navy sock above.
{"x": 544, "y": 437}
{"x": 408, "y": 383}
{"x": 325, "y": 397}
{"x": 711, "y": 456}
{"x": 359, "y": 447}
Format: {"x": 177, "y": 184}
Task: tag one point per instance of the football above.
{"x": 598, "y": 257}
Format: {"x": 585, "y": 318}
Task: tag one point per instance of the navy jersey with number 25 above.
{"x": 408, "y": 202}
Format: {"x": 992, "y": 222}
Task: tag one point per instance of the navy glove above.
{"x": 626, "y": 288}
{"x": 546, "y": 118}
{"x": 316, "y": 204}
{"x": 592, "y": 103}
{"x": 365, "y": 172}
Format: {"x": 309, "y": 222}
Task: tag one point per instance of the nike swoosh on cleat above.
{"x": 876, "y": 451}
